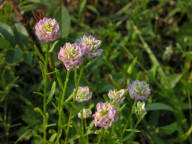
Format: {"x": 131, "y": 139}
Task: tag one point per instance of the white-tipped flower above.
{"x": 90, "y": 46}
{"x": 83, "y": 94}
{"x": 84, "y": 113}
{"x": 117, "y": 96}
{"x": 140, "y": 108}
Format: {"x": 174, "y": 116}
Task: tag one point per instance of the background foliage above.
{"x": 149, "y": 40}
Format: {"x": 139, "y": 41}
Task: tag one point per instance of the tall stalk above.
{"x": 45, "y": 79}
{"x": 60, "y": 106}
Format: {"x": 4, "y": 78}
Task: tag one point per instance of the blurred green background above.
{"x": 149, "y": 40}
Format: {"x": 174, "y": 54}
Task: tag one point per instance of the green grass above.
{"x": 148, "y": 40}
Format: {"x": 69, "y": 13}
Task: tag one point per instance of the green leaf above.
{"x": 21, "y": 34}
{"x": 52, "y": 92}
{"x": 170, "y": 81}
{"x": 14, "y": 56}
{"x": 53, "y": 137}
{"x": 169, "y": 129}
{"x": 184, "y": 36}
{"x": 82, "y": 6}
{"x": 53, "y": 46}
{"x": 4, "y": 43}
{"x": 37, "y": 109}
{"x": 28, "y": 58}
{"x": 7, "y": 32}
{"x": 158, "y": 106}
{"x": 64, "y": 20}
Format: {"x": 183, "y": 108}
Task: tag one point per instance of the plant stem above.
{"x": 129, "y": 118}
{"x": 60, "y": 106}
{"x": 45, "y": 78}
{"x": 68, "y": 126}
{"x": 77, "y": 80}
{"x": 100, "y": 136}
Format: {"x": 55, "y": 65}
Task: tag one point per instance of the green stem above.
{"x": 129, "y": 118}
{"x": 87, "y": 136}
{"x": 100, "y": 136}
{"x": 45, "y": 78}
{"x": 60, "y": 106}
{"x": 77, "y": 80}
{"x": 82, "y": 131}
{"x": 68, "y": 126}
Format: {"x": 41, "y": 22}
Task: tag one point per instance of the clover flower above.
{"x": 117, "y": 96}
{"x": 84, "y": 113}
{"x": 47, "y": 29}
{"x": 140, "y": 108}
{"x": 90, "y": 46}
{"x": 70, "y": 55}
{"x": 83, "y": 94}
{"x": 105, "y": 115}
{"x": 139, "y": 90}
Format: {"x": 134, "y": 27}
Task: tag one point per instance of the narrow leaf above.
{"x": 158, "y": 106}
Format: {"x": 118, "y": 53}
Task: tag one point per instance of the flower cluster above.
{"x": 72, "y": 54}
{"x": 139, "y": 90}
{"x": 83, "y": 94}
{"x": 84, "y": 113}
{"x": 90, "y": 46}
{"x": 105, "y": 115}
{"x": 117, "y": 96}
{"x": 47, "y": 29}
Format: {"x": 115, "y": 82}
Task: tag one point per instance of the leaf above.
{"x": 53, "y": 46}
{"x": 37, "y": 109}
{"x": 158, "y": 106}
{"x": 28, "y": 57}
{"x": 21, "y": 34}
{"x": 53, "y": 137}
{"x": 170, "y": 81}
{"x": 7, "y": 32}
{"x": 184, "y": 36}
{"x": 4, "y": 43}
{"x": 169, "y": 129}
{"x": 157, "y": 139}
{"x": 82, "y": 6}
{"x": 52, "y": 92}
{"x": 64, "y": 20}
{"x": 14, "y": 56}
{"x": 131, "y": 67}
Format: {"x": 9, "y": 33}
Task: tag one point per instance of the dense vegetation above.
{"x": 146, "y": 40}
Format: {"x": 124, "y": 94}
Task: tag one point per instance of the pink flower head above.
{"x": 105, "y": 115}
{"x": 117, "y": 96}
{"x": 70, "y": 55}
{"x": 90, "y": 46}
{"x": 47, "y": 29}
{"x": 83, "y": 94}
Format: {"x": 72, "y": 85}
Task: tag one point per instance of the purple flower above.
{"x": 47, "y": 29}
{"x": 139, "y": 90}
{"x": 117, "y": 96}
{"x": 70, "y": 55}
{"x": 90, "y": 46}
{"x": 105, "y": 115}
{"x": 84, "y": 113}
{"x": 83, "y": 94}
